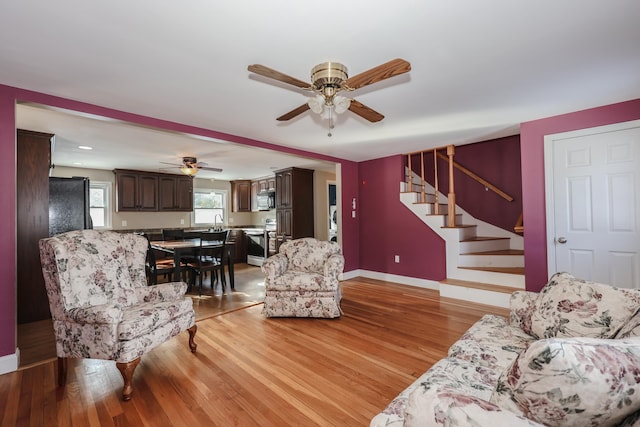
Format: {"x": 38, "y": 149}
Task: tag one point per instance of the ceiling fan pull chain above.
{"x": 330, "y": 120}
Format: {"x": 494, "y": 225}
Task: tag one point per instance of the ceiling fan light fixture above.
{"x": 189, "y": 170}
{"x": 316, "y": 104}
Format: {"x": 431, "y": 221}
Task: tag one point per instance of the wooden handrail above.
{"x": 482, "y": 181}
{"x": 451, "y": 196}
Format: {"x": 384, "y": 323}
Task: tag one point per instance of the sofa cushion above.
{"x": 571, "y": 307}
{"x": 449, "y": 407}
{"x": 449, "y": 373}
{"x": 573, "y": 382}
{"x": 491, "y": 342}
{"x": 143, "y": 318}
{"x": 298, "y": 280}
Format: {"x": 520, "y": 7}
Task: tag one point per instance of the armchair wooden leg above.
{"x": 192, "y": 333}
{"x": 62, "y": 371}
{"x": 126, "y": 370}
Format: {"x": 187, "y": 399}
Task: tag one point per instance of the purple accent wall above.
{"x": 388, "y": 228}
{"x": 350, "y": 225}
{"x": 7, "y": 223}
{"x": 532, "y": 153}
{"x": 9, "y": 96}
{"x": 498, "y": 162}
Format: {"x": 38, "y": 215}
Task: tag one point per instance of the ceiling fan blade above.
{"x": 207, "y": 168}
{"x": 172, "y": 164}
{"x": 381, "y": 72}
{"x": 364, "y": 111}
{"x": 295, "y": 112}
{"x": 277, "y": 75}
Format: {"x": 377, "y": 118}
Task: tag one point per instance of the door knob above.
{"x": 562, "y": 240}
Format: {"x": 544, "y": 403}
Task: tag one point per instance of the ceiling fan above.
{"x": 330, "y": 78}
{"x": 190, "y": 166}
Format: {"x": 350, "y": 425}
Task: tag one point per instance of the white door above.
{"x": 593, "y": 203}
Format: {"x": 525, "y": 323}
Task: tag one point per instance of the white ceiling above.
{"x": 479, "y": 69}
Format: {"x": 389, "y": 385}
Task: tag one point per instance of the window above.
{"x": 100, "y": 204}
{"x": 209, "y": 207}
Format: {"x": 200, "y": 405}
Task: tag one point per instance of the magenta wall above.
{"x": 388, "y": 228}
{"x": 532, "y": 153}
{"x": 7, "y": 223}
{"x": 8, "y": 98}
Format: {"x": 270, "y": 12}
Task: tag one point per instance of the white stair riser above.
{"x": 480, "y": 296}
{"x": 491, "y": 261}
{"x": 500, "y": 279}
{"x": 484, "y": 245}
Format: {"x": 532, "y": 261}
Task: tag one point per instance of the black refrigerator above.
{"x": 68, "y": 204}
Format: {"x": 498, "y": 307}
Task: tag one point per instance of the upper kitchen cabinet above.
{"x": 136, "y": 191}
{"x": 241, "y": 196}
{"x": 175, "y": 193}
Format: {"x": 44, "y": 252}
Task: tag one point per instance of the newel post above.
{"x": 451, "y": 212}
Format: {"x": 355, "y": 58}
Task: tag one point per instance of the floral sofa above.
{"x": 568, "y": 356}
{"x": 302, "y": 279}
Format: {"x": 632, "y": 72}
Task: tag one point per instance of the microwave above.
{"x": 266, "y": 201}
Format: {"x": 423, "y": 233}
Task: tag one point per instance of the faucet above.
{"x": 215, "y": 222}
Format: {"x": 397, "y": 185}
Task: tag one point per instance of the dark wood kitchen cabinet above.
{"x": 136, "y": 191}
{"x": 32, "y": 222}
{"x": 241, "y": 196}
{"x": 294, "y": 204}
{"x": 175, "y": 193}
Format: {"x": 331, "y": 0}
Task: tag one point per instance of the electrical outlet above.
{"x": 397, "y": 259}
{"x": 182, "y": 221}
{"x": 353, "y": 214}
{"x": 124, "y": 222}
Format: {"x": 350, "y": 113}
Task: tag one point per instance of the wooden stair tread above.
{"x": 483, "y": 239}
{"x": 458, "y": 225}
{"x": 500, "y": 252}
{"x": 509, "y": 270}
{"x": 481, "y": 286}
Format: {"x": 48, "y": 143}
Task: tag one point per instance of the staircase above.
{"x": 485, "y": 264}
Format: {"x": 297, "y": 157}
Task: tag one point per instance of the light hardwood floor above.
{"x": 250, "y": 370}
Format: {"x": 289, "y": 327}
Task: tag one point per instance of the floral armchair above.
{"x": 101, "y": 305}
{"x": 302, "y": 279}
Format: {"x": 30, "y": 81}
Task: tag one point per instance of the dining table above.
{"x": 182, "y": 248}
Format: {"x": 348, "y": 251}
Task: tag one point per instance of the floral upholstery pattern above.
{"x": 574, "y": 382}
{"x": 500, "y": 373}
{"x": 302, "y": 279}
{"x": 570, "y": 307}
{"x": 491, "y": 342}
{"x": 99, "y": 299}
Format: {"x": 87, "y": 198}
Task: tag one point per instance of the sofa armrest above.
{"x": 447, "y": 407}
{"x": 170, "y": 291}
{"x": 522, "y": 305}
{"x": 275, "y": 266}
{"x": 334, "y": 266}
{"x": 103, "y": 313}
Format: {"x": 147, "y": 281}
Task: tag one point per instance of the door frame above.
{"x": 549, "y": 176}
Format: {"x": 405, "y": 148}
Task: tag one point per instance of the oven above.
{"x": 257, "y": 249}
{"x": 261, "y": 242}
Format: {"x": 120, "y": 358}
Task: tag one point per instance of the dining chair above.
{"x": 157, "y": 267}
{"x": 210, "y": 259}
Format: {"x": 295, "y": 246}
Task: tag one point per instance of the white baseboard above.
{"x": 10, "y": 362}
{"x": 403, "y": 280}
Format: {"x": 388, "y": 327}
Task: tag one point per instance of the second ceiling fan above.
{"x": 328, "y": 80}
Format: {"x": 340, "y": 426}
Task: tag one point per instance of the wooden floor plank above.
{"x": 251, "y": 370}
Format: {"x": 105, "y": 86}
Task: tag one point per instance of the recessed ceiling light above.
{"x": 85, "y": 147}
{"x": 77, "y": 163}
